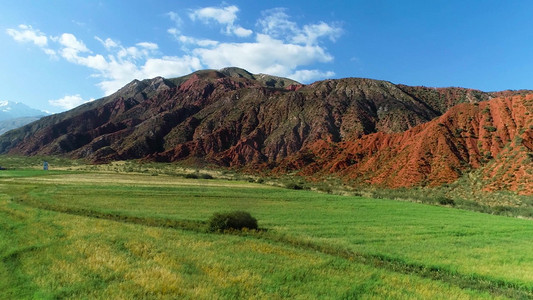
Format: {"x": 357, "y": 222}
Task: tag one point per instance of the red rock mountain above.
{"x": 496, "y": 135}
{"x": 367, "y": 130}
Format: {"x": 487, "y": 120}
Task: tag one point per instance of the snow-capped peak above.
{"x": 12, "y": 110}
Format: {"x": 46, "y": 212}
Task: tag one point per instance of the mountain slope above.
{"x": 9, "y": 124}
{"x": 14, "y": 115}
{"x": 357, "y": 128}
{"x": 496, "y": 135}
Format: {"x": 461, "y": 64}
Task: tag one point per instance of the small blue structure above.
{"x": 45, "y": 166}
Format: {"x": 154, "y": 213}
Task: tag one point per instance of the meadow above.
{"x": 81, "y": 233}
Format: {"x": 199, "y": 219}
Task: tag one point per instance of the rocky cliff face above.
{"x": 368, "y": 130}
{"x": 495, "y": 135}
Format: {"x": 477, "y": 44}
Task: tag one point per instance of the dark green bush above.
{"x": 490, "y": 128}
{"x": 446, "y": 201}
{"x": 198, "y": 176}
{"x": 235, "y": 220}
{"x": 294, "y": 186}
{"x": 205, "y": 176}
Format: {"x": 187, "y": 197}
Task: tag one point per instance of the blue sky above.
{"x": 58, "y": 54}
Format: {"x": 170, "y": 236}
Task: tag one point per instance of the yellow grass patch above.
{"x": 157, "y": 280}
{"x": 131, "y": 179}
{"x": 102, "y": 258}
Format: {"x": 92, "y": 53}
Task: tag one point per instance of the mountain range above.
{"x": 15, "y": 114}
{"x": 362, "y": 130}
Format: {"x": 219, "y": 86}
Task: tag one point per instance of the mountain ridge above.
{"x": 15, "y": 114}
{"x": 233, "y": 118}
{"x": 13, "y": 110}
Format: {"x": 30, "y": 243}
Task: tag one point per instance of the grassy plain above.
{"x": 93, "y": 234}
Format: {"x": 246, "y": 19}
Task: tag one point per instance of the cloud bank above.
{"x": 276, "y": 46}
{"x": 69, "y": 102}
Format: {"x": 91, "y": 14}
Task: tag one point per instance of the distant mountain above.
{"x": 15, "y": 114}
{"x": 12, "y": 110}
{"x": 10, "y": 124}
{"x": 366, "y": 131}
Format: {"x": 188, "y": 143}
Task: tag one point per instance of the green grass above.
{"x": 36, "y": 162}
{"x": 78, "y": 257}
{"x": 102, "y": 235}
{"x": 31, "y": 173}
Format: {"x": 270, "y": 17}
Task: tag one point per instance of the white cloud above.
{"x": 194, "y": 41}
{"x": 176, "y": 18}
{"x": 311, "y": 33}
{"x": 173, "y": 31}
{"x": 69, "y": 102}
{"x": 108, "y": 43}
{"x": 310, "y": 75}
{"x": 149, "y": 46}
{"x": 28, "y": 34}
{"x": 72, "y": 48}
{"x": 169, "y": 66}
{"x": 121, "y": 64}
{"x": 69, "y": 41}
{"x": 97, "y": 62}
{"x": 189, "y": 40}
{"x": 117, "y": 74}
{"x": 120, "y": 72}
{"x": 276, "y": 23}
{"x": 281, "y": 47}
{"x": 224, "y": 16}
{"x": 242, "y": 32}
{"x": 50, "y": 52}
{"x": 134, "y": 53}
{"x": 266, "y": 55}
{"x": 205, "y": 43}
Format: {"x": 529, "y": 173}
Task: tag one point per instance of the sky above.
{"x": 56, "y": 55}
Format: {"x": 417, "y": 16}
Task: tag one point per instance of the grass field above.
{"x": 80, "y": 234}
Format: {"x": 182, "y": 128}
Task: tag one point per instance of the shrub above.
{"x": 198, "y": 176}
{"x": 458, "y": 132}
{"x": 205, "y": 176}
{"x": 488, "y": 155}
{"x": 446, "y": 201}
{"x": 294, "y": 186}
{"x": 235, "y": 220}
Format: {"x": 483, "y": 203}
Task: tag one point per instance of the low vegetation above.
{"x": 103, "y": 234}
{"x": 235, "y": 220}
